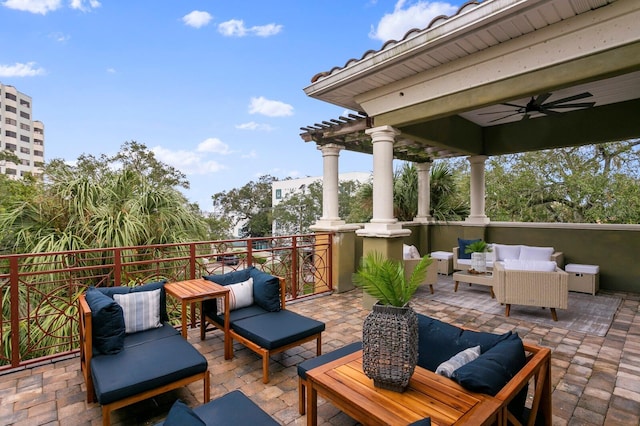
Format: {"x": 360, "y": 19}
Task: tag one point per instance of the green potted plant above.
{"x": 390, "y": 331}
{"x": 478, "y": 250}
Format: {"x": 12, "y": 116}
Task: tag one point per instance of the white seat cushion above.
{"x": 530, "y": 265}
{"x": 504, "y": 252}
{"x": 535, "y": 253}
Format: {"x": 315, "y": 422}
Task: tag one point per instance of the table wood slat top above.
{"x": 198, "y": 288}
{"x": 344, "y": 383}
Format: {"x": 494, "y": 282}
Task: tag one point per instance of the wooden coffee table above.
{"x": 429, "y": 395}
{"x": 467, "y": 277}
{"x": 199, "y": 290}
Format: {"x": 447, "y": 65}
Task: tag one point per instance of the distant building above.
{"x": 282, "y": 188}
{"x": 20, "y": 134}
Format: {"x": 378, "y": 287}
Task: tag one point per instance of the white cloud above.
{"x": 269, "y": 108}
{"x": 214, "y": 145}
{"x": 188, "y": 162}
{"x": 236, "y": 28}
{"x": 111, "y": 70}
{"x": 197, "y": 19}
{"x": 34, "y": 6}
{"x": 407, "y": 15}
{"x": 21, "y": 70}
{"x": 250, "y": 154}
{"x": 252, "y": 125}
{"x": 59, "y": 37}
{"x": 83, "y": 6}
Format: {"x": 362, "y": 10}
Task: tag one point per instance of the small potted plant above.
{"x": 390, "y": 331}
{"x": 478, "y": 250}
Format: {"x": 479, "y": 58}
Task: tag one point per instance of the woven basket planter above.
{"x": 390, "y": 346}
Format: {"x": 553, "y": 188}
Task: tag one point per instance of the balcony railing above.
{"x": 39, "y": 319}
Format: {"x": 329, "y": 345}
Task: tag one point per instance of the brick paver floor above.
{"x": 596, "y": 380}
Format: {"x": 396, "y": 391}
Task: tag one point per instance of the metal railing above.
{"x": 39, "y": 319}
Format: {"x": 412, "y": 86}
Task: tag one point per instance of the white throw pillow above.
{"x": 447, "y": 368}
{"x": 240, "y": 296}
{"x": 141, "y": 310}
{"x": 410, "y": 252}
{"x": 530, "y": 265}
{"x": 535, "y": 253}
{"x": 504, "y": 252}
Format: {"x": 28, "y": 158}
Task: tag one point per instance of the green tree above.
{"x": 95, "y": 204}
{"x": 593, "y": 184}
{"x": 249, "y": 206}
{"x": 299, "y": 210}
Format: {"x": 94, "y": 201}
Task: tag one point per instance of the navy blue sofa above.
{"x": 503, "y": 370}
{"x": 265, "y": 326}
{"x": 231, "y": 409}
{"x": 122, "y": 368}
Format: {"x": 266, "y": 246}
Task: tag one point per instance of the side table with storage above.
{"x": 444, "y": 260}
{"x": 583, "y": 278}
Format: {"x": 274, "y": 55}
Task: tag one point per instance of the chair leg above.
{"x": 265, "y": 367}
{"x": 302, "y": 408}
{"x": 507, "y": 310}
{"x": 431, "y": 288}
{"x": 553, "y": 314}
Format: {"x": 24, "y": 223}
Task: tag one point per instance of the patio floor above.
{"x": 596, "y": 380}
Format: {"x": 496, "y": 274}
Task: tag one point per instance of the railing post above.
{"x": 15, "y": 312}
{"x": 117, "y": 267}
{"x": 294, "y": 267}
{"x": 249, "y": 252}
{"x": 192, "y": 261}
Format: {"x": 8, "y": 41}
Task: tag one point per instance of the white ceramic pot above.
{"x": 479, "y": 262}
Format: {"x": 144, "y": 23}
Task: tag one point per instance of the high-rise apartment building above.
{"x": 20, "y": 134}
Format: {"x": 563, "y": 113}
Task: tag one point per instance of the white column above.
{"x": 424, "y": 192}
{"x": 330, "y": 220}
{"x": 383, "y": 223}
{"x": 477, "y": 190}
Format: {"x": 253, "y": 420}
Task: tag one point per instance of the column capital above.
{"x": 330, "y": 149}
{"x": 477, "y": 159}
{"x": 379, "y": 133}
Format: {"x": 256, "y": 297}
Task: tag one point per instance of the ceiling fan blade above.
{"x": 496, "y": 112}
{"x": 541, "y": 98}
{"x": 569, "y": 99}
{"x": 513, "y": 105}
{"x": 502, "y": 118}
{"x": 526, "y": 116}
{"x": 549, "y": 111}
{"x": 580, "y": 105}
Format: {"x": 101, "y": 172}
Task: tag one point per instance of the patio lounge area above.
{"x": 594, "y": 379}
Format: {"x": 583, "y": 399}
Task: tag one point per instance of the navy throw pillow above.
{"x": 493, "y": 369}
{"x": 182, "y": 415}
{"x": 107, "y": 322}
{"x": 163, "y": 296}
{"x": 439, "y": 341}
{"x": 266, "y": 290}
{"x": 234, "y": 277}
{"x": 462, "y": 247}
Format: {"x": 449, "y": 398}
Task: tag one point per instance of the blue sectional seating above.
{"x": 120, "y": 369}
{"x": 264, "y": 326}
{"x": 231, "y": 409}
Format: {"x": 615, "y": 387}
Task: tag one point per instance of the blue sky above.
{"x": 214, "y": 88}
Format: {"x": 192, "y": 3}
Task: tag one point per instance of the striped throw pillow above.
{"x": 240, "y": 296}
{"x": 447, "y": 368}
{"x": 141, "y": 310}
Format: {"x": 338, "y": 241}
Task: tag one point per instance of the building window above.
{"x": 10, "y": 109}
{"x": 10, "y": 96}
{"x": 11, "y": 147}
{"x": 25, "y": 103}
{"x": 25, "y": 115}
{"x": 37, "y": 142}
{"x": 37, "y": 130}
{"x": 38, "y": 164}
{"x": 38, "y": 153}
{"x": 10, "y": 134}
{"x": 25, "y": 150}
{"x": 24, "y": 138}
{"x": 25, "y": 127}
{"x": 278, "y": 194}
{"x": 25, "y": 162}
{"x": 10, "y": 171}
{"x": 10, "y": 121}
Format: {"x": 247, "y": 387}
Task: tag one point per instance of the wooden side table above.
{"x": 485, "y": 278}
{"x": 429, "y": 395}
{"x": 199, "y": 290}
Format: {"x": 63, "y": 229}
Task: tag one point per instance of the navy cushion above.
{"x": 107, "y": 322}
{"x": 234, "y": 315}
{"x": 439, "y": 341}
{"x": 233, "y": 409}
{"x": 150, "y": 335}
{"x": 182, "y": 415}
{"x": 143, "y": 367}
{"x": 277, "y": 329}
{"x": 163, "y": 296}
{"x": 307, "y": 365}
{"x": 110, "y": 291}
{"x": 462, "y": 247}
{"x": 266, "y": 287}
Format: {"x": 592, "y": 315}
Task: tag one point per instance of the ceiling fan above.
{"x": 539, "y": 105}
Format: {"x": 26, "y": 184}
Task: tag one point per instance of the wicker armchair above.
{"x": 531, "y": 288}
{"x": 432, "y": 272}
